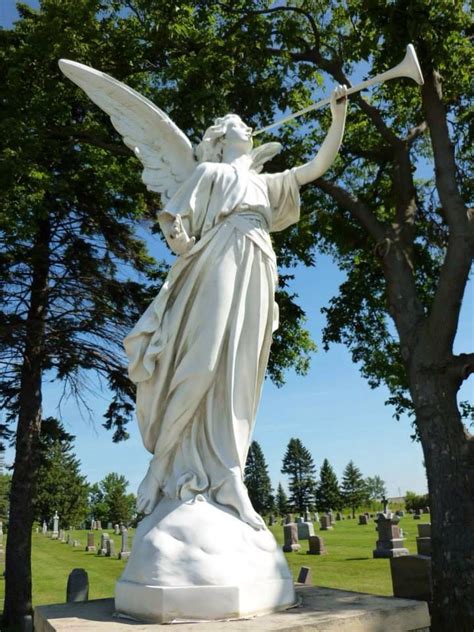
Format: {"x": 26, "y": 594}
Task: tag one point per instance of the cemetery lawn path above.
{"x": 347, "y": 565}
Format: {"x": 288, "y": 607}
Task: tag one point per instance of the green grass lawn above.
{"x": 348, "y": 563}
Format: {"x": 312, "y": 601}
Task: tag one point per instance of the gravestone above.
{"x": 426, "y": 510}
{"x": 45, "y": 528}
{"x": 307, "y": 517}
{"x": 60, "y": 535}
{"x": 288, "y": 519}
{"x": 316, "y": 517}
{"x": 77, "y": 586}
{"x": 305, "y": 530}
{"x": 109, "y": 526}
{"x": 93, "y": 527}
{"x": 110, "y": 548}
{"x": 316, "y": 545}
{"x": 299, "y": 520}
{"x": 418, "y": 513}
{"x": 90, "y": 543}
{"x": 68, "y": 539}
{"x": 76, "y": 543}
{"x": 304, "y": 576}
{"x": 124, "y": 550}
{"x": 390, "y": 542}
{"x": 411, "y": 577}
{"x": 55, "y": 533}
{"x": 423, "y": 541}
{"x": 290, "y": 534}
{"x": 103, "y": 543}
{"x": 331, "y": 517}
{"x": 325, "y": 523}
{"x": 339, "y": 516}
{"x": 363, "y": 519}
{"x": 116, "y": 529}
{"x": 98, "y": 525}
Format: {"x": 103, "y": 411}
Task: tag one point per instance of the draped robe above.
{"x": 199, "y": 353}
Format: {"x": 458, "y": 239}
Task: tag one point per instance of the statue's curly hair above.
{"x": 210, "y": 149}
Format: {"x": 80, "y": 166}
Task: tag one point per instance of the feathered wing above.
{"x": 164, "y": 150}
{"x": 261, "y": 155}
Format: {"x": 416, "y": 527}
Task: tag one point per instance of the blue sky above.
{"x": 332, "y": 410}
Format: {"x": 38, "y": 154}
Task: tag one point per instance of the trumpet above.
{"x": 409, "y": 67}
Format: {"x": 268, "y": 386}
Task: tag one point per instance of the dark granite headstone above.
{"x": 290, "y": 533}
{"x": 363, "y": 519}
{"x": 316, "y": 545}
{"x": 411, "y": 577}
{"x": 325, "y": 522}
{"x": 77, "y": 586}
{"x": 90, "y": 543}
{"x": 423, "y": 541}
{"x": 304, "y": 576}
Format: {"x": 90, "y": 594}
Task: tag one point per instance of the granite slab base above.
{"x": 320, "y": 610}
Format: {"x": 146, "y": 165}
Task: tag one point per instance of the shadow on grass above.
{"x": 356, "y": 559}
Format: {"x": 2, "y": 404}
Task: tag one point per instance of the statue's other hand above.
{"x": 178, "y": 239}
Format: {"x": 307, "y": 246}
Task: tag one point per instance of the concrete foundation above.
{"x": 320, "y": 610}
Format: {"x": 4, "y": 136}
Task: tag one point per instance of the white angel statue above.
{"x": 198, "y": 354}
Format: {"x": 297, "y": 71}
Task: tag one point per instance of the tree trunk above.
{"x": 18, "y": 585}
{"x": 449, "y": 456}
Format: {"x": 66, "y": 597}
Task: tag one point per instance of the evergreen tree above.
{"x": 109, "y": 500}
{"x": 298, "y": 464}
{"x": 281, "y": 500}
{"x": 353, "y": 488}
{"x": 60, "y": 485}
{"x": 257, "y": 480}
{"x": 328, "y": 494}
{"x": 376, "y": 489}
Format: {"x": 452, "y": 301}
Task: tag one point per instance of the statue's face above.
{"x": 238, "y": 134}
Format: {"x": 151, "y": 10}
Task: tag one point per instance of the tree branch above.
{"x": 444, "y": 314}
{"x": 356, "y": 207}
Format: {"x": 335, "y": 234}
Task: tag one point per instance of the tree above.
{"x": 375, "y": 486}
{"x": 416, "y": 501}
{"x": 395, "y": 214}
{"x": 109, "y": 501}
{"x": 257, "y": 480}
{"x": 328, "y": 495}
{"x": 59, "y": 485}
{"x": 353, "y": 489}
{"x": 5, "y": 483}
{"x": 298, "y": 464}
{"x": 281, "y": 501}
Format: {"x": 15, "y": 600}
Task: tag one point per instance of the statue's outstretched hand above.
{"x": 339, "y": 102}
{"x": 178, "y": 239}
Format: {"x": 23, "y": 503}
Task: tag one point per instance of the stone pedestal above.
{"x": 321, "y": 609}
{"x": 390, "y": 542}
{"x": 196, "y": 560}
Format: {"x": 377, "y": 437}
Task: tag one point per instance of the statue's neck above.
{"x": 237, "y": 159}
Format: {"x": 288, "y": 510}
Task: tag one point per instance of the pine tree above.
{"x": 281, "y": 500}
{"x": 298, "y": 464}
{"x": 354, "y": 490}
{"x": 257, "y": 480}
{"x": 60, "y": 485}
{"x": 328, "y": 494}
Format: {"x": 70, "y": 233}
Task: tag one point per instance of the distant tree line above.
{"x": 306, "y": 489}
{"x": 60, "y": 486}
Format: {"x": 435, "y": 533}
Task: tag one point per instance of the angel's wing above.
{"x": 260, "y": 155}
{"x": 166, "y": 153}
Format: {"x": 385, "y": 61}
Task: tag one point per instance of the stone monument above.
{"x": 390, "y": 541}
{"x": 198, "y": 357}
{"x": 55, "y": 533}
